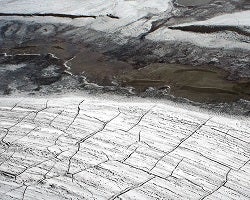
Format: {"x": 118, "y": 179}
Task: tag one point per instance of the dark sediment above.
{"x": 212, "y": 29}
{"x": 48, "y": 15}
{"x": 28, "y": 72}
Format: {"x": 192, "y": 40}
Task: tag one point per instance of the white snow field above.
{"x": 87, "y": 147}
{"x": 215, "y": 40}
{"x": 133, "y": 19}
{"x": 233, "y": 19}
{"x": 120, "y": 8}
{"x": 132, "y": 13}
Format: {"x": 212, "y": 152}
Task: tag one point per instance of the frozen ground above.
{"x": 232, "y": 19}
{"x": 217, "y": 39}
{"x": 128, "y": 12}
{"x": 138, "y": 32}
{"x": 136, "y": 17}
{"x": 121, "y": 8}
{"x": 86, "y": 147}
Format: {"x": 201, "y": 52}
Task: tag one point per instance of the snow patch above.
{"x": 11, "y": 67}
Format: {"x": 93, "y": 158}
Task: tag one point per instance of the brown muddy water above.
{"x": 200, "y": 84}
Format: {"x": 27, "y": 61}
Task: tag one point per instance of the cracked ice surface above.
{"x": 92, "y": 148}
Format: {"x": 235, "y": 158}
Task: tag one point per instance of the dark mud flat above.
{"x": 81, "y": 60}
{"x": 192, "y": 2}
{"x": 199, "y": 84}
{"x": 28, "y": 72}
{"x": 202, "y": 84}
